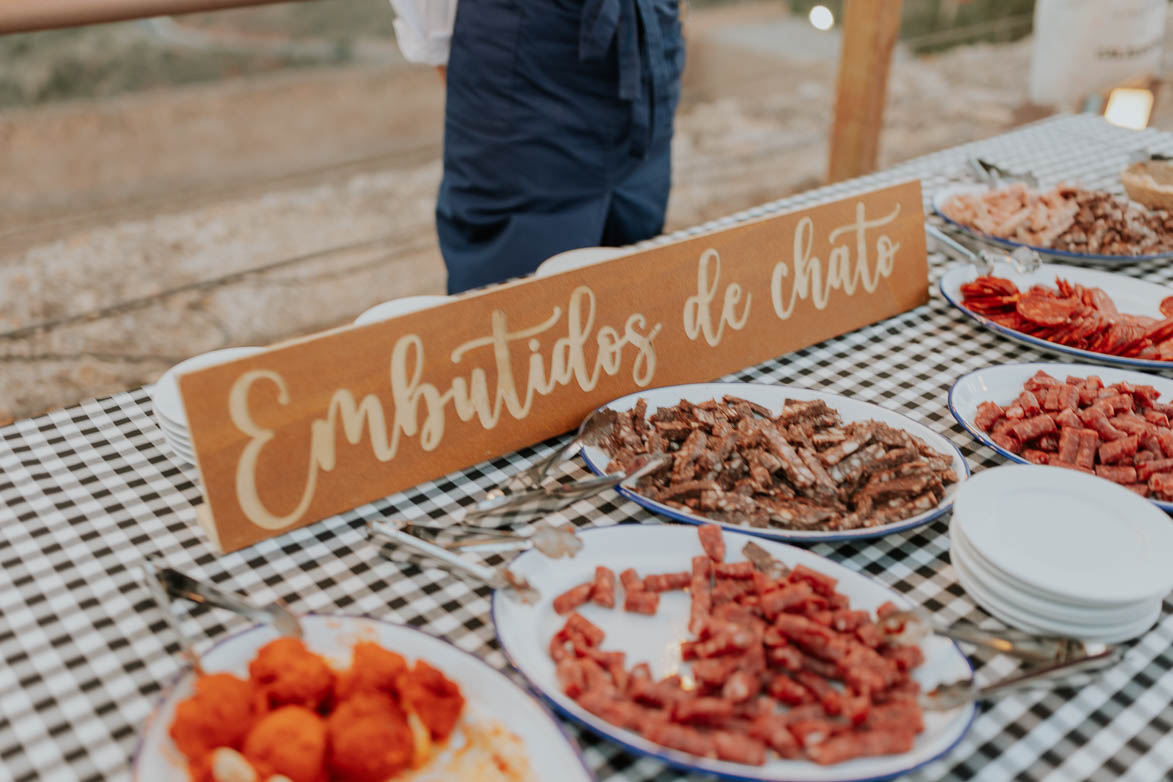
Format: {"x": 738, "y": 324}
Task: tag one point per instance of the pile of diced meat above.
{"x": 1120, "y": 432}
{"x": 734, "y": 461}
{"x": 779, "y": 662}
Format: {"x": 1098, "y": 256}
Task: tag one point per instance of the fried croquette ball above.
{"x": 370, "y": 740}
{"x": 285, "y": 673}
{"x": 219, "y": 714}
{"x": 434, "y": 697}
{"x": 289, "y": 741}
{"x": 373, "y": 669}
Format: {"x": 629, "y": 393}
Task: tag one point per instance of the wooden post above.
{"x": 870, "y": 29}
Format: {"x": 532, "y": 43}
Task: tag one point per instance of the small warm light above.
{"x": 1129, "y": 108}
{"x": 822, "y": 18}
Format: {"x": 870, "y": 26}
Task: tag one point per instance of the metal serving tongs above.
{"x": 165, "y": 583}
{"x": 1023, "y": 259}
{"x": 394, "y": 532}
{"x": 909, "y": 627}
{"x": 954, "y": 694}
{"x": 510, "y": 508}
{"x": 596, "y": 428}
{"x": 550, "y": 540}
{"x": 990, "y": 173}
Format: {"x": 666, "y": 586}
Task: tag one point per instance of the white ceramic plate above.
{"x": 1132, "y": 296}
{"x": 1016, "y": 616}
{"x": 524, "y": 632}
{"x": 166, "y": 399}
{"x": 773, "y": 398}
{"x": 1002, "y": 385}
{"x": 576, "y": 259}
{"x": 402, "y": 306}
{"x": 943, "y": 195}
{"x": 488, "y": 693}
{"x": 1010, "y": 590}
{"x": 1068, "y": 534}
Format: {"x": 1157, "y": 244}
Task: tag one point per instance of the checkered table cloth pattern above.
{"x": 86, "y": 492}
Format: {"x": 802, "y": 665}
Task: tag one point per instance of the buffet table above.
{"x": 86, "y": 492}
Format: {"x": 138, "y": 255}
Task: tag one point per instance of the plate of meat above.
{"x": 771, "y": 666}
{"x": 781, "y": 462}
{"x": 1109, "y": 422}
{"x": 356, "y": 699}
{"x": 1064, "y": 223}
{"x": 1094, "y": 315}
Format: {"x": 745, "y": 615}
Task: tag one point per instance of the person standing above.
{"x": 558, "y": 125}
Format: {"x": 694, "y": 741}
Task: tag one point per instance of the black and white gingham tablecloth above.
{"x": 86, "y": 492}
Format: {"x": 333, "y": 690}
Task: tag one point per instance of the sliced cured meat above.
{"x": 603, "y": 589}
{"x": 573, "y": 598}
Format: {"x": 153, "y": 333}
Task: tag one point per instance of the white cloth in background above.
{"x": 1083, "y": 47}
{"x": 423, "y": 29}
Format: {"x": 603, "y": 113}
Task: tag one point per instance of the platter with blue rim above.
{"x": 773, "y": 397}
{"x": 524, "y": 633}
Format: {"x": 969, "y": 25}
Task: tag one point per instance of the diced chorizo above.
{"x": 739, "y": 748}
{"x": 1068, "y": 445}
{"x": 1068, "y": 397}
{"x": 1066, "y": 418}
{"x": 1085, "y": 455}
{"x": 786, "y": 657}
{"x": 1150, "y": 468}
{"x": 1115, "y": 451}
{"x": 1161, "y": 484}
{"x": 666, "y": 582}
{"x": 821, "y": 583}
{"x": 573, "y": 598}
{"x": 631, "y": 581}
{"x": 712, "y": 541}
{"x": 1117, "y": 473}
{"x": 771, "y": 728}
{"x": 681, "y": 737}
{"x": 740, "y": 687}
{"x": 701, "y": 709}
{"x": 603, "y": 592}
{"x": 1030, "y": 428}
{"x": 641, "y": 602}
{"x": 987, "y": 414}
{"x": 1035, "y": 456}
{"x": 736, "y": 570}
{"x": 861, "y": 743}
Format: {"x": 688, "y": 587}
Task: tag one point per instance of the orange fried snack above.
{"x": 370, "y": 740}
{"x": 219, "y": 714}
{"x": 373, "y": 670}
{"x": 285, "y": 673}
{"x": 434, "y": 697}
{"x": 289, "y": 741}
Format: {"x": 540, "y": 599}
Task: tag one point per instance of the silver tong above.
{"x": 510, "y": 508}
{"x": 954, "y": 694}
{"x": 1023, "y": 259}
{"x": 990, "y": 173}
{"x": 395, "y": 533}
{"x": 165, "y": 583}
{"x": 909, "y": 627}
{"x": 596, "y": 428}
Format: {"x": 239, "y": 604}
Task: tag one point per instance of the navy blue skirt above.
{"x": 557, "y": 131}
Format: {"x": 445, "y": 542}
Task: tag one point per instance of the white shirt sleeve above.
{"x": 423, "y": 29}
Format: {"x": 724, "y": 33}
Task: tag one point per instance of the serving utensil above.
{"x": 596, "y": 428}
{"x": 909, "y": 627}
{"x": 511, "y": 508}
{"x": 954, "y": 694}
{"x": 991, "y": 173}
{"x": 1023, "y": 259}
{"x": 553, "y": 541}
{"x": 184, "y": 586}
{"x": 150, "y": 574}
{"x": 394, "y": 533}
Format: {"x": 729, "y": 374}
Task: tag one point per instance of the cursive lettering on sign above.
{"x": 420, "y": 409}
{"x": 698, "y": 319}
{"x": 811, "y": 283}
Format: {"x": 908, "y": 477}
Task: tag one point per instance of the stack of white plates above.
{"x": 390, "y": 309}
{"x": 1058, "y": 552}
{"x": 169, "y": 411}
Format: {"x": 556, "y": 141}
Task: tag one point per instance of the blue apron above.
{"x": 557, "y": 131}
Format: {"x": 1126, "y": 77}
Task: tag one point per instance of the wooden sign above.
{"x": 316, "y": 427}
